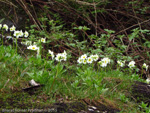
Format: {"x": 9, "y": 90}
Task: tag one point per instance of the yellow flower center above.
{"x": 33, "y": 48}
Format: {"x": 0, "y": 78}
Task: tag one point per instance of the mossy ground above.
{"x": 34, "y": 99}
{"x": 20, "y": 100}
{"x": 118, "y": 97}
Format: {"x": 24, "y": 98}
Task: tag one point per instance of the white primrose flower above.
{"x": 58, "y": 57}
{"x": 94, "y": 57}
{"x": 102, "y": 64}
{"x": 64, "y": 57}
{"x": 51, "y": 53}
{"x": 84, "y": 61}
{"x": 80, "y": 60}
{"x": 13, "y": 28}
{"x": 145, "y": 66}
{"x": 0, "y": 26}
{"x": 43, "y": 40}
{"x": 26, "y": 34}
{"x": 5, "y": 27}
{"x": 21, "y": 33}
{"x": 89, "y": 60}
{"x": 33, "y": 47}
{"x": 29, "y": 47}
{"x": 106, "y": 60}
{"x": 84, "y": 56}
{"x": 17, "y": 34}
{"x": 131, "y": 64}
{"x": 121, "y": 63}
{"x": 148, "y": 80}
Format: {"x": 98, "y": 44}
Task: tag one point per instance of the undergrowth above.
{"x": 68, "y": 81}
{"x": 75, "y": 58}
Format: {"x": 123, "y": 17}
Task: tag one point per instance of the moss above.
{"x": 22, "y": 100}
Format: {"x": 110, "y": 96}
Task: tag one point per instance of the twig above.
{"x": 8, "y": 2}
{"x": 28, "y": 12}
{"x": 95, "y": 18}
{"x": 6, "y": 83}
{"x": 86, "y": 3}
{"x": 132, "y": 26}
{"x": 137, "y": 19}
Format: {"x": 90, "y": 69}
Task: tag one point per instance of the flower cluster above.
{"x": 131, "y": 64}
{"x": 104, "y": 62}
{"x": 16, "y": 33}
{"x": 61, "y": 56}
{"x": 84, "y": 59}
{"x": 28, "y": 43}
{"x": 34, "y": 45}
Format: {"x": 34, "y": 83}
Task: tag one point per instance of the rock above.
{"x": 34, "y": 86}
{"x": 33, "y": 83}
{"x": 141, "y": 91}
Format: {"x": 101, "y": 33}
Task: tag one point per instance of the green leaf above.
{"x": 80, "y": 27}
{"x": 134, "y": 34}
{"x": 109, "y": 31}
{"x": 1, "y": 20}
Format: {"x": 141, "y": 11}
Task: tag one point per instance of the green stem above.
{"x": 101, "y": 69}
{"x": 2, "y": 37}
{"x": 54, "y": 80}
{"x": 45, "y": 63}
{"x": 39, "y": 53}
{"x": 118, "y": 67}
{"x": 40, "y": 48}
{"x": 93, "y": 66}
{"x": 16, "y": 45}
{"x": 84, "y": 36}
{"x": 13, "y": 42}
{"x": 131, "y": 70}
{"x": 97, "y": 67}
{"x": 142, "y": 72}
